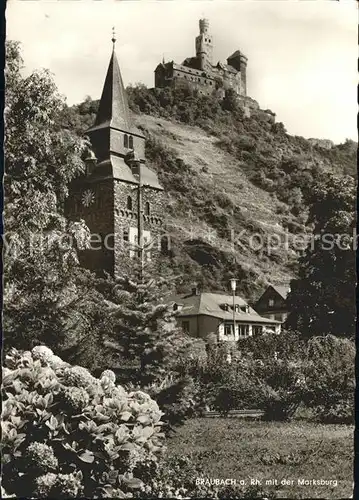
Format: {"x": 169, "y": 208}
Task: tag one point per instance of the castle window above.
{"x": 125, "y": 235}
{"x": 165, "y": 245}
{"x": 131, "y": 142}
{"x": 147, "y": 208}
{"x": 125, "y": 141}
{"x": 129, "y": 203}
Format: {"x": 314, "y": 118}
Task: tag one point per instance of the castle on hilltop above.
{"x": 200, "y": 73}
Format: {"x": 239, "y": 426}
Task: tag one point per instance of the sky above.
{"x": 302, "y": 54}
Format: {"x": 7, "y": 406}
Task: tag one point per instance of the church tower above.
{"x": 119, "y": 197}
{"x": 204, "y": 46}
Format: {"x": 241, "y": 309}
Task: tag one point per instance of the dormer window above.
{"x": 129, "y": 203}
{"x": 236, "y": 308}
{"x": 225, "y": 307}
{"x": 125, "y": 141}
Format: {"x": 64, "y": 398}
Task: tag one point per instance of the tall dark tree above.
{"x": 145, "y": 335}
{"x": 322, "y": 300}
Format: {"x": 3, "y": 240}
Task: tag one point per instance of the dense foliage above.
{"x": 48, "y": 298}
{"x": 330, "y": 379}
{"x": 278, "y": 375}
{"x": 322, "y": 299}
{"x": 68, "y": 434}
{"x": 144, "y": 333}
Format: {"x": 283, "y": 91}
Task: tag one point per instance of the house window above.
{"x": 130, "y": 142}
{"x": 228, "y": 329}
{"x": 129, "y": 203}
{"x": 125, "y": 141}
{"x": 271, "y": 302}
{"x": 257, "y": 329}
{"x": 243, "y": 330}
{"x": 185, "y": 326}
{"x": 147, "y": 208}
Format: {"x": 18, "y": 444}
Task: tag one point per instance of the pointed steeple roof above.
{"x": 113, "y": 110}
{"x": 114, "y": 135}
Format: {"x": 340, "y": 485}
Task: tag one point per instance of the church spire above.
{"x": 113, "y": 109}
{"x": 113, "y": 39}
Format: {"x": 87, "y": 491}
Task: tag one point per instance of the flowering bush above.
{"x": 66, "y": 433}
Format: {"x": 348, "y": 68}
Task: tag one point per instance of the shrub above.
{"x": 67, "y": 433}
{"x": 282, "y": 389}
{"x": 330, "y": 379}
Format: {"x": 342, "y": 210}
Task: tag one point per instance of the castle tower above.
{"x": 204, "y": 45}
{"x": 119, "y": 198}
{"x": 239, "y": 62}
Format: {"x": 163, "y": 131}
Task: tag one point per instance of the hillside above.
{"x": 234, "y": 184}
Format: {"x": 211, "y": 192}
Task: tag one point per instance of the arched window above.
{"x": 130, "y": 145}
{"x": 129, "y": 203}
{"x": 125, "y": 141}
{"x": 147, "y": 208}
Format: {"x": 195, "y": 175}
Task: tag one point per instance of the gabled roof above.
{"x": 211, "y": 304}
{"x": 282, "y": 290}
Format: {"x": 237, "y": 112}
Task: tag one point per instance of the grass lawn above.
{"x": 245, "y": 450}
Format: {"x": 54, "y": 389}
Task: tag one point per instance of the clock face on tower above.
{"x": 88, "y": 198}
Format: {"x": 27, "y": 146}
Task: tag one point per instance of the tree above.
{"x": 322, "y": 300}
{"x": 48, "y": 297}
{"x": 145, "y": 334}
